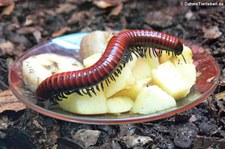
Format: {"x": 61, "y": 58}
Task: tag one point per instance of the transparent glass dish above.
{"x": 69, "y": 45}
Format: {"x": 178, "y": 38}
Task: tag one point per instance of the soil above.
{"x": 24, "y": 24}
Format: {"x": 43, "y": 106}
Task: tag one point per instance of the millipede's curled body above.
{"x": 109, "y": 66}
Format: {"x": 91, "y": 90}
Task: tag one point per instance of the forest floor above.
{"x": 26, "y": 23}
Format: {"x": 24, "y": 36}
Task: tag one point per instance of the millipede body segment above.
{"x": 108, "y": 67}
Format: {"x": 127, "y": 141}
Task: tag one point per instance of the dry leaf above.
{"x": 211, "y": 32}
{"x": 116, "y": 11}
{"x": 220, "y": 95}
{"x": 78, "y": 17}
{"x": 106, "y": 3}
{"x": 153, "y": 19}
{"x": 60, "y": 32}
{"x": 220, "y": 100}
{"x": 8, "y": 10}
{"x": 29, "y": 30}
{"x": 9, "y": 102}
{"x": 5, "y": 2}
{"x": 37, "y": 36}
{"x": 65, "y": 8}
{"x": 29, "y": 20}
{"x": 221, "y": 106}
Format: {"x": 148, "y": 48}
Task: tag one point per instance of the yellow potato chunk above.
{"x": 91, "y": 60}
{"x": 152, "y": 59}
{"x": 37, "y": 68}
{"x": 124, "y": 80}
{"x": 167, "y": 77}
{"x": 187, "y": 54}
{"x": 133, "y": 90}
{"x": 165, "y": 57}
{"x": 95, "y": 42}
{"x": 141, "y": 69}
{"x": 152, "y": 99}
{"x": 85, "y": 104}
{"x": 119, "y": 104}
{"x": 188, "y": 71}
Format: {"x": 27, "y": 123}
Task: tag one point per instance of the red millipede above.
{"x": 116, "y": 55}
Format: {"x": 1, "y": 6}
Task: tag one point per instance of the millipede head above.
{"x": 178, "y": 48}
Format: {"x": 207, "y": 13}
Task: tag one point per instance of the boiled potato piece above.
{"x": 167, "y": 77}
{"x": 133, "y": 90}
{"x": 152, "y": 59}
{"x": 187, "y": 54}
{"x": 95, "y": 42}
{"x": 37, "y": 68}
{"x": 124, "y": 80}
{"x": 31, "y": 73}
{"x": 132, "y": 63}
{"x": 75, "y": 103}
{"x": 141, "y": 69}
{"x": 152, "y": 99}
{"x": 165, "y": 56}
{"x": 91, "y": 60}
{"x": 119, "y": 104}
{"x": 188, "y": 71}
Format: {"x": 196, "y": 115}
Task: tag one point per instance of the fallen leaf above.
{"x": 5, "y": 2}
{"x": 54, "y": 134}
{"x": 8, "y": 10}
{"x": 77, "y": 1}
{"x": 37, "y": 36}
{"x": 116, "y": 11}
{"x": 220, "y": 100}
{"x": 106, "y": 3}
{"x": 29, "y": 20}
{"x": 29, "y": 30}
{"x": 220, "y": 95}
{"x": 65, "y": 8}
{"x": 211, "y": 32}
{"x": 78, "y": 17}
{"x": 163, "y": 18}
{"x": 49, "y": 12}
{"x": 153, "y": 19}
{"x": 9, "y": 102}
{"x": 60, "y": 32}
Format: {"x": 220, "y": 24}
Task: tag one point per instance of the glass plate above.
{"x": 69, "y": 45}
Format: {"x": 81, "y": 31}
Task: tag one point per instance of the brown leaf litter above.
{"x": 9, "y": 102}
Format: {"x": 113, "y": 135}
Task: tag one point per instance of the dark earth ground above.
{"x": 25, "y": 23}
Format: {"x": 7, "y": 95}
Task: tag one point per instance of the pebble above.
{"x": 86, "y": 138}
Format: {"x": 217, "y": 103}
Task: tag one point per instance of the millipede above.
{"x": 117, "y": 53}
